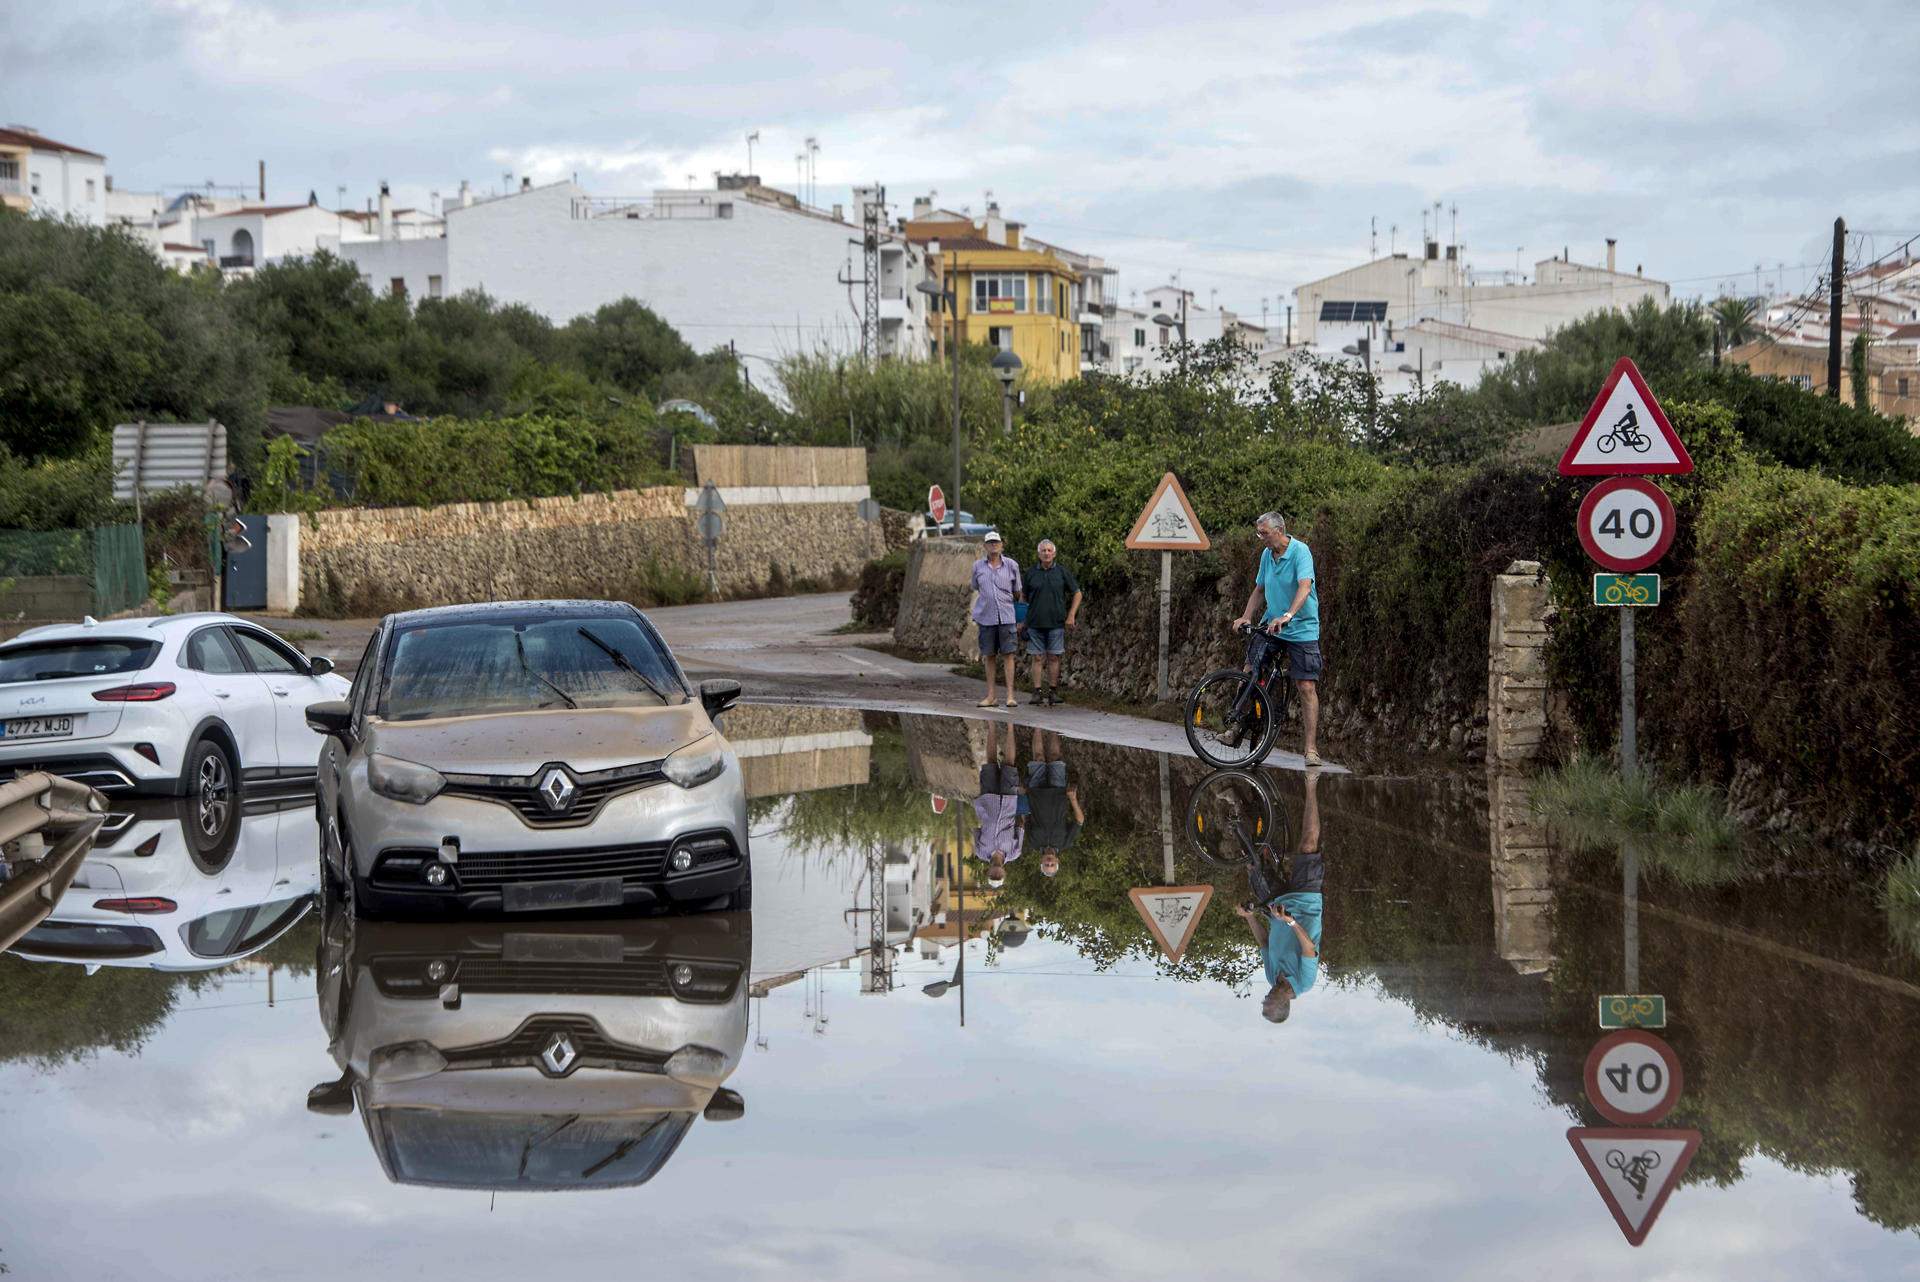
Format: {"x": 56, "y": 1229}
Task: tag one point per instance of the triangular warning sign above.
{"x": 1635, "y": 1169}
{"x": 1172, "y": 913}
{"x": 1167, "y": 523}
{"x": 1625, "y": 433}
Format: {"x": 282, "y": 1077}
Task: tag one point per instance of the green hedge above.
{"x": 454, "y": 460}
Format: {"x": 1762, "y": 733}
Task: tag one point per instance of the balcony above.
{"x": 13, "y": 187}
{"x": 228, "y": 261}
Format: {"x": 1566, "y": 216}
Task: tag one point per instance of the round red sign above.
{"x": 1633, "y": 1077}
{"x": 1626, "y": 523}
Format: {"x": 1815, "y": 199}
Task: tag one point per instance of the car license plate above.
{"x": 538, "y": 896}
{"x": 520, "y": 946}
{"x": 36, "y": 728}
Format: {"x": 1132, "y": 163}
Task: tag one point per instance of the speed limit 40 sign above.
{"x": 1633, "y": 1078}
{"x": 1626, "y": 523}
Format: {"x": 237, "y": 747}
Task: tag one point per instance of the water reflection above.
{"x": 523, "y": 1055}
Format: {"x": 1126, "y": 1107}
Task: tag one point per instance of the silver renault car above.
{"x": 529, "y": 756}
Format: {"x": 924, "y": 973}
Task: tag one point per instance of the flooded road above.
{"x": 245, "y": 1084}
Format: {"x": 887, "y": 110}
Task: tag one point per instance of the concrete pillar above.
{"x": 283, "y": 563}
{"x": 1518, "y": 845}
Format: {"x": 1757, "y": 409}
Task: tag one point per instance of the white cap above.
{"x": 993, "y": 536}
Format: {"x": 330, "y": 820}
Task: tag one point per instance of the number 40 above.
{"x": 1647, "y": 1079}
{"x": 1639, "y": 522}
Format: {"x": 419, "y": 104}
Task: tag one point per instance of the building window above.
{"x": 208, "y": 246}
{"x": 1001, "y": 336}
{"x": 724, "y": 209}
{"x": 1006, "y": 292}
{"x": 1801, "y": 380}
{"x": 34, "y": 185}
{"x": 1042, "y": 293}
{"x": 397, "y": 286}
{"x": 1900, "y": 387}
{"x": 9, "y": 168}
{"x": 1139, "y": 338}
{"x": 89, "y": 189}
{"x": 1163, "y": 336}
{"x": 433, "y": 287}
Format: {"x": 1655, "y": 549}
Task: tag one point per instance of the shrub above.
{"x": 58, "y": 494}
{"x": 876, "y": 601}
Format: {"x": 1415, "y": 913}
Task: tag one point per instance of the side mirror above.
{"x": 319, "y": 667}
{"x": 725, "y": 1106}
{"x": 718, "y": 695}
{"x": 333, "y": 718}
{"x": 334, "y": 1098}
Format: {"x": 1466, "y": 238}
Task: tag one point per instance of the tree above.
{"x": 1862, "y": 375}
{"x": 1737, "y": 319}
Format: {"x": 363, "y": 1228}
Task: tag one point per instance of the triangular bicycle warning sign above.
{"x": 1635, "y": 1169}
{"x": 1625, "y": 433}
{"x": 1172, "y": 913}
{"x": 1167, "y": 523}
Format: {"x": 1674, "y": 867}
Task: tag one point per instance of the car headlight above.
{"x": 699, "y": 762}
{"x": 404, "y": 780}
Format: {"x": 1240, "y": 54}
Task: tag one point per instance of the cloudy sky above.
{"x": 1246, "y": 146}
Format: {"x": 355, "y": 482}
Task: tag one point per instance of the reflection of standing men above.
{"x": 998, "y": 835}
{"x": 1288, "y": 932}
{"x": 1054, "y": 804}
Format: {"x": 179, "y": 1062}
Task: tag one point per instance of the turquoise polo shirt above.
{"x": 1284, "y": 957}
{"x": 1279, "y": 577}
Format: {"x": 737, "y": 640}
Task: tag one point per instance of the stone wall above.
{"x": 786, "y": 528}
{"x": 46, "y": 596}
{"x": 938, "y": 595}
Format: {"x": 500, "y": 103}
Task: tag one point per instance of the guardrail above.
{"x": 47, "y": 826}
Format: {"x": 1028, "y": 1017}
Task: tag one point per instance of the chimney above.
{"x": 922, "y": 206}
{"x": 526, "y": 184}
{"x": 1563, "y": 255}
{"x": 263, "y": 182}
{"x": 1013, "y": 235}
{"x": 1610, "y": 243}
{"x": 386, "y": 212}
{"x": 839, "y": 213}
{"x": 313, "y": 199}
{"x": 109, "y": 182}
{"x": 1433, "y": 251}
{"x": 466, "y": 194}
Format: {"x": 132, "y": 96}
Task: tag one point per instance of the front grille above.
{"x": 592, "y": 1048}
{"x": 490, "y": 870}
{"x": 522, "y": 792}
{"x": 635, "y": 978}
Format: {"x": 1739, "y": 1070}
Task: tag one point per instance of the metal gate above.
{"x": 246, "y": 576}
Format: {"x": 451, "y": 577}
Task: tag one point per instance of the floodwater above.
{"x": 835, "y": 1086}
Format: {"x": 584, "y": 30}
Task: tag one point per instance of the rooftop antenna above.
{"x": 1373, "y": 236}
{"x": 813, "y": 170}
{"x": 1393, "y": 238}
{"x": 689, "y": 182}
{"x": 800, "y": 175}
{"x": 752, "y": 138}
{"x": 1423, "y": 229}
{"x": 506, "y": 181}
{"x": 340, "y": 196}
{"x": 1454, "y": 210}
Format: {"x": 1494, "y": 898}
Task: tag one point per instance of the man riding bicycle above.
{"x": 1287, "y": 603}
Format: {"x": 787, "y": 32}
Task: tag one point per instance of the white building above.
{"x": 738, "y": 263}
{"x": 255, "y": 235}
{"x": 1411, "y": 359}
{"x": 56, "y": 179}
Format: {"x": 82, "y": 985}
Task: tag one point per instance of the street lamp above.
{"x": 1167, "y": 322}
{"x": 1420, "y": 374}
{"x": 942, "y": 294}
{"x": 1006, "y": 368}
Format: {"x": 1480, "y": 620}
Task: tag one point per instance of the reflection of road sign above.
{"x": 868, "y": 509}
{"x": 1625, "y": 433}
{"x": 1626, "y": 589}
{"x": 1635, "y": 1169}
{"x": 939, "y": 804}
{"x": 710, "y": 500}
{"x": 937, "y": 503}
{"x": 712, "y": 526}
{"x": 1633, "y": 1077}
{"x": 1633, "y": 1010}
{"x": 1626, "y": 523}
{"x": 1167, "y": 523}
{"x": 1172, "y": 913}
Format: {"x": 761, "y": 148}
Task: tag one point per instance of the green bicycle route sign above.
{"x": 1626, "y": 589}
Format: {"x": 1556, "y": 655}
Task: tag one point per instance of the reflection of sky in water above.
{"x": 1112, "y": 1124}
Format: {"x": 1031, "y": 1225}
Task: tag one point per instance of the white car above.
{"x": 202, "y": 706}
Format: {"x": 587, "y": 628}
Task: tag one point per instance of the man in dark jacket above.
{"x": 1053, "y": 608}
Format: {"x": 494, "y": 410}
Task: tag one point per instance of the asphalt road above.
{"x": 790, "y": 650}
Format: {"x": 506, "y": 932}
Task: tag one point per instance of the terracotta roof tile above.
{"x": 20, "y": 138}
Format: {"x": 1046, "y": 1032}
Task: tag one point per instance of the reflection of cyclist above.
{"x": 1288, "y": 932}
{"x": 1054, "y": 816}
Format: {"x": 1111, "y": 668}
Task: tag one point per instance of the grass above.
{"x": 300, "y": 634}
{"x": 1900, "y": 900}
{"x": 1684, "y": 829}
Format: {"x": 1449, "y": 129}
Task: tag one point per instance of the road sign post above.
{"x": 713, "y": 523}
{"x": 1167, "y": 525}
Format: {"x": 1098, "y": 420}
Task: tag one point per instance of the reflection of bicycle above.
{"x": 1232, "y": 816}
{"x": 1232, "y": 715}
{"x": 1634, "y": 1170}
{"x": 1626, "y": 432}
{"x": 1625, "y": 591}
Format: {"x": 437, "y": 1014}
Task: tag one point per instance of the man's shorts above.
{"x": 1304, "y": 662}
{"x": 1307, "y": 873}
{"x": 1046, "y": 640}
{"x": 997, "y": 639}
{"x": 997, "y": 779}
{"x": 1046, "y": 774}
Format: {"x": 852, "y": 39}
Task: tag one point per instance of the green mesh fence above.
{"x": 112, "y": 560}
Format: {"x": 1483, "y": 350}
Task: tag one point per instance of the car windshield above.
{"x": 511, "y": 665}
{"x": 528, "y": 1150}
{"x": 75, "y": 657}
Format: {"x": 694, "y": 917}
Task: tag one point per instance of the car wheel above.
{"x": 354, "y": 899}
{"x": 212, "y": 817}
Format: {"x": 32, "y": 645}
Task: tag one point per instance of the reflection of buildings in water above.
{"x": 1522, "y": 879}
{"x": 148, "y": 895}
{"x": 533, "y": 1055}
{"x": 789, "y": 750}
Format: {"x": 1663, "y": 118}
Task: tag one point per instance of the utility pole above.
{"x": 1833, "y": 307}
{"x": 870, "y": 241}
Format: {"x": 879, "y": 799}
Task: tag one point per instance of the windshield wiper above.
{"x": 534, "y": 1141}
{"x": 621, "y": 661}
{"x": 520, "y": 646}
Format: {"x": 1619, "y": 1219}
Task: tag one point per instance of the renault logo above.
{"x": 557, "y": 789}
{"x": 559, "y": 1054}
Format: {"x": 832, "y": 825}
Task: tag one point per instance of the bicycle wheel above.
{"x": 1223, "y": 727}
{"x": 1230, "y": 816}
{"x": 1606, "y": 443}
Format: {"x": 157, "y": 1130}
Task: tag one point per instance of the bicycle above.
{"x": 1626, "y": 432}
{"x": 1233, "y": 715}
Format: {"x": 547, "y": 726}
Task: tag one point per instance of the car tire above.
{"x": 211, "y": 782}
{"x": 356, "y": 899}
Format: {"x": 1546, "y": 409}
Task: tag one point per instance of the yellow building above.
{"x": 1893, "y": 369}
{"x": 1009, "y": 297}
